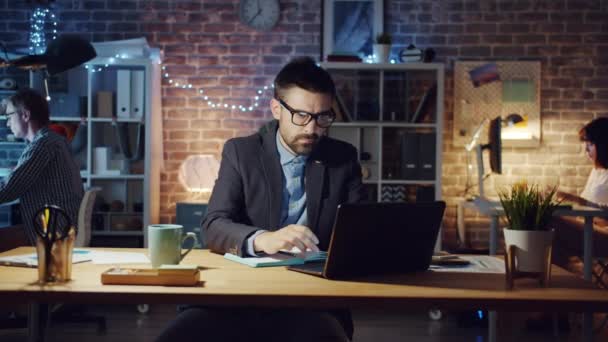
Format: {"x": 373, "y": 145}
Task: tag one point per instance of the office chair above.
{"x": 77, "y": 313}
{"x": 85, "y": 214}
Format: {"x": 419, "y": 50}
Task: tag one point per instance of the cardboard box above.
{"x": 105, "y": 104}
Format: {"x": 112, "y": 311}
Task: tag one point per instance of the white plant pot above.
{"x": 382, "y": 53}
{"x": 530, "y": 248}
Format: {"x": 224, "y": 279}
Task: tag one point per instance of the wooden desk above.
{"x": 226, "y": 283}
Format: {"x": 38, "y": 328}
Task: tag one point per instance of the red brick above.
{"x": 508, "y": 51}
{"x": 596, "y": 105}
{"x": 578, "y": 116}
{"x": 175, "y": 124}
{"x": 513, "y": 28}
{"x": 184, "y": 135}
{"x": 576, "y": 51}
{"x": 213, "y": 27}
{"x": 578, "y": 95}
{"x": 475, "y": 51}
{"x": 596, "y": 83}
{"x": 203, "y": 146}
{"x": 205, "y": 124}
{"x": 601, "y": 17}
{"x": 173, "y": 102}
{"x": 530, "y": 39}
{"x": 203, "y": 38}
{"x": 577, "y": 72}
{"x": 548, "y": 27}
{"x": 565, "y": 39}
{"x": 496, "y": 39}
{"x": 214, "y": 49}
{"x": 480, "y": 28}
{"x": 207, "y": 60}
{"x": 222, "y": 134}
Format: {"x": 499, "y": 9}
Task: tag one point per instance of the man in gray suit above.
{"x": 279, "y": 189}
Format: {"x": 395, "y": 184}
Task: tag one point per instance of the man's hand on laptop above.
{"x": 286, "y": 238}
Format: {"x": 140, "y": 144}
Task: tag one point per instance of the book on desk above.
{"x": 283, "y": 258}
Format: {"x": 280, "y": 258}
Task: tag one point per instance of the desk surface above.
{"x": 227, "y": 283}
{"x": 490, "y": 208}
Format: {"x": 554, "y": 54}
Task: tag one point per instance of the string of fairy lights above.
{"x": 37, "y": 45}
{"x": 38, "y": 20}
{"x": 216, "y": 104}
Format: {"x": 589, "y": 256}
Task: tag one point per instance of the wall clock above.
{"x": 260, "y": 14}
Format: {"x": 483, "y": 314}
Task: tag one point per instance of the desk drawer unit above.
{"x": 190, "y": 216}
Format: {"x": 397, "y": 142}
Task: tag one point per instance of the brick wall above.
{"x": 205, "y": 45}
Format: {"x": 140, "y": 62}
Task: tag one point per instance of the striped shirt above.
{"x": 46, "y": 173}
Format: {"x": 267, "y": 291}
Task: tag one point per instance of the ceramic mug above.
{"x": 165, "y": 244}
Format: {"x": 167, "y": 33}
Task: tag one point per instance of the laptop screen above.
{"x": 383, "y": 238}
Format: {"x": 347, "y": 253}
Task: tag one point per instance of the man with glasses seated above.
{"x": 46, "y": 172}
{"x": 279, "y": 189}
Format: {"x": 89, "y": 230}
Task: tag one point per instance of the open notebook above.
{"x": 283, "y": 258}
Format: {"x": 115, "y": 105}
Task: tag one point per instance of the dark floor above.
{"x": 125, "y": 323}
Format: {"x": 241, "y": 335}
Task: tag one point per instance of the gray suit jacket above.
{"x": 248, "y": 192}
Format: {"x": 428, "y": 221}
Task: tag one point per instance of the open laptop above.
{"x": 379, "y": 238}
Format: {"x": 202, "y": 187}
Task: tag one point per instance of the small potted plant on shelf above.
{"x": 382, "y": 47}
{"x": 528, "y": 236}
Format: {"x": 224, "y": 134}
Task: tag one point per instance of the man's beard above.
{"x": 301, "y": 148}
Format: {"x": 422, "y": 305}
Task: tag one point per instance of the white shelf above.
{"x": 407, "y": 182}
{"x": 81, "y": 84}
{"x": 94, "y": 119}
{"x": 117, "y": 233}
{"x": 381, "y": 66}
{"x": 374, "y": 124}
{"x": 118, "y": 213}
{"x": 397, "y": 148}
{"x": 100, "y": 176}
{"x": 66, "y": 118}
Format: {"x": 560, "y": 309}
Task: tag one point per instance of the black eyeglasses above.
{"x": 7, "y": 115}
{"x": 302, "y": 118}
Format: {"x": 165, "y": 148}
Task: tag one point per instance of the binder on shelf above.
{"x": 137, "y": 93}
{"x": 418, "y": 156}
{"x": 342, "y": 114}
{"x": 123, "y": 94}
{"x": 409, "y": 156}
{"x": 425, "y": 105}
{"x": 426, "y": 154}
{"x": 101, "y": 159}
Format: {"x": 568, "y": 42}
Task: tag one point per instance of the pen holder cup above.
{"x": 55, "y": 260}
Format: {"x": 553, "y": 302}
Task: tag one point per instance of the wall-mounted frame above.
{"x": 511, "y": 90}
{"x": 350, "y": 27}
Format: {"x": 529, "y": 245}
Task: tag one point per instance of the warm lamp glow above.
{"x": 198, "y": 173}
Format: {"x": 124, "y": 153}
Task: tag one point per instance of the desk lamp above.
{"x": 64, "y": 53}
{"x": 198, "y": 173}
{"x": 469, "y": 147}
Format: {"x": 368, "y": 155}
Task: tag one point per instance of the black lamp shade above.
{"x": 66, "y": 52}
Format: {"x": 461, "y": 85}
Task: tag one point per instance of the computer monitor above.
{"x": 494, "y": 146}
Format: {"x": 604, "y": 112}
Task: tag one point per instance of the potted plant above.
{"x": 382, "y": 47}
{"x": 529, "y": 237}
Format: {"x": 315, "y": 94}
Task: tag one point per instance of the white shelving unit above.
{"x": 393, "y": 114}
{"x": 131, "y": 190}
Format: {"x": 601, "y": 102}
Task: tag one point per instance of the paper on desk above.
{"x": 112, "y": 258}
{"x": 31, "y": 259}
{"x": 478, "y": 264}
